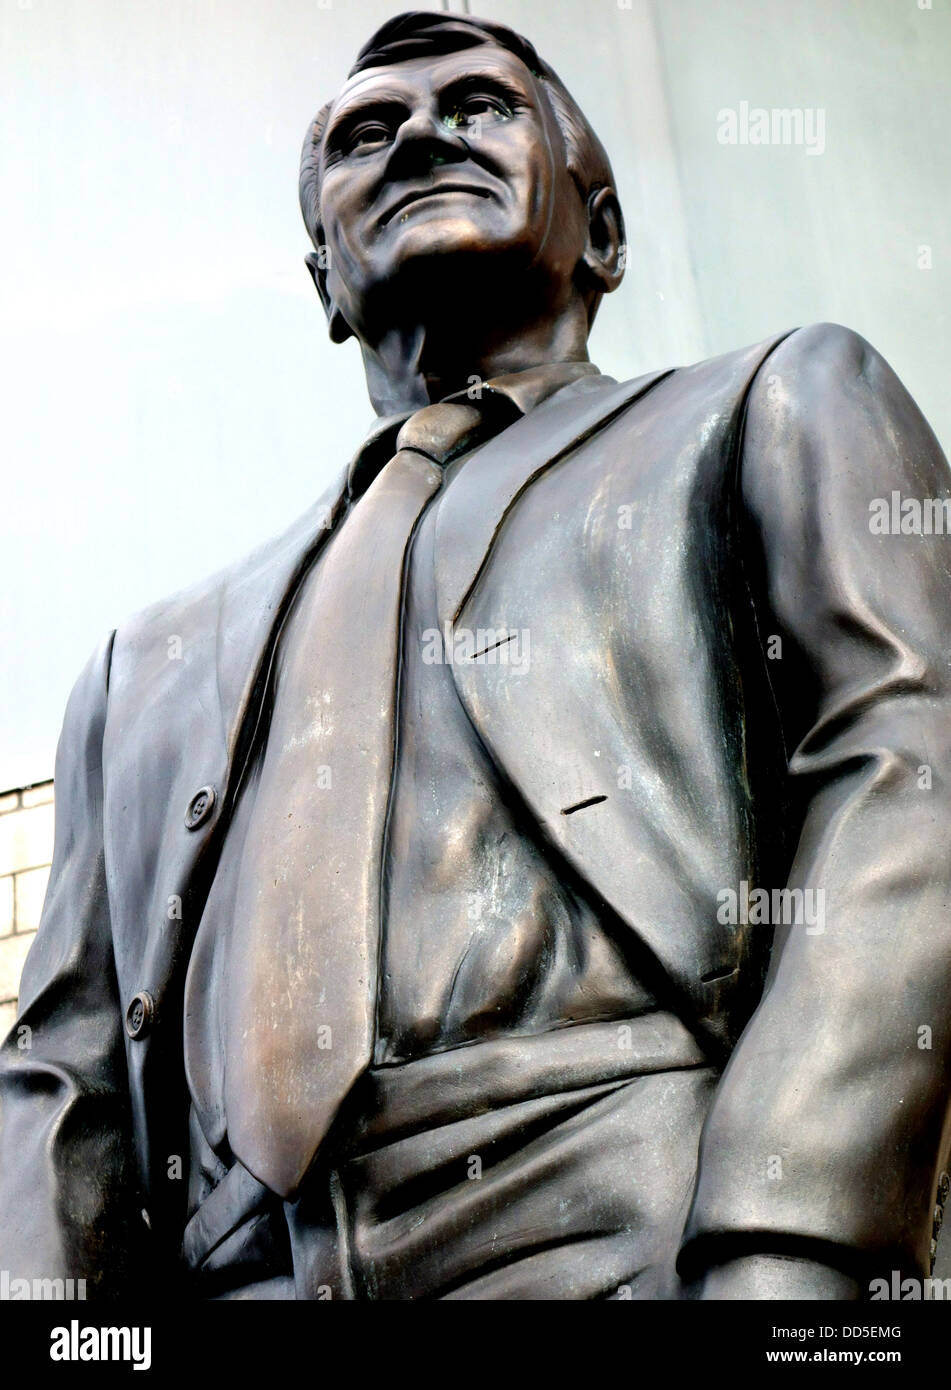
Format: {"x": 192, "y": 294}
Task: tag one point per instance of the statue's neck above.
{"x": 415, "y": 366}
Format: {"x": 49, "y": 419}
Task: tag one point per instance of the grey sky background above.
{"x": 170, "y": 397}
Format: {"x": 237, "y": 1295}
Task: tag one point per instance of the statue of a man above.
{"x": 528, "y": 877}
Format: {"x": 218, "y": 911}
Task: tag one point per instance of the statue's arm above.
{"x": 823, "y": 1150}
{"x": 67, "y": 1188}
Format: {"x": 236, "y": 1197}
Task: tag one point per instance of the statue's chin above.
{"x": 453, "y": 257}
{"x": 444, "y": 236}
{"x": 446, "y": 271}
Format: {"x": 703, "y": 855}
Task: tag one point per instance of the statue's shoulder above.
{"x": 738, "y": 365}
{"x": 711, "y": 383}
{"x": 159, "y": 646}
{"x": 800, "y": 362}
{"x": 817, "y": 377}
{"x": 820, "y": 349}
{"x": 833, "y": 341}
{"x": 829, "y": 342}
{"x": 224, "y": 609}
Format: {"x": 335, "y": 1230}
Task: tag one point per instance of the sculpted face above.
{"x": 431, "y": 161}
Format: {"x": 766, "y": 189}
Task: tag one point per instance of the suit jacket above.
{"x": 735, "y": 680}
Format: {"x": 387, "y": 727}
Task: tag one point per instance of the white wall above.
{"x": 170, "y": 397}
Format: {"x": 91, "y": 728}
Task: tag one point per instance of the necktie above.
{"x": 300, "y": 1013}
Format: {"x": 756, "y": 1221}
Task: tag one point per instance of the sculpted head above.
{"x": 455, "y": 192}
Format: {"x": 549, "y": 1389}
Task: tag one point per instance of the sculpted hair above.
{"x": 417, "y": 34}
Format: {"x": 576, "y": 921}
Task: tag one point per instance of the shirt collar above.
{"x": 525, "y": 389}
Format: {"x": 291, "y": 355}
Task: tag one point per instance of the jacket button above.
{"x": 200, "y": 807}
{"x": 139, "y": 1015}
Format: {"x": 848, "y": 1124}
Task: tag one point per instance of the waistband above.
{"x": 404, "y": 1098}
{"x": 234, "y": 1228}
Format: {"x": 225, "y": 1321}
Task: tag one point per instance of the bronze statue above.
{"x": 528, "y": 877}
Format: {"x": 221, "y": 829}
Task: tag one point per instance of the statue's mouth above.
{"x": 432, "y": 191}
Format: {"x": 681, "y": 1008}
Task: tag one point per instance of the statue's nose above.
{"x": 422, "y": 142}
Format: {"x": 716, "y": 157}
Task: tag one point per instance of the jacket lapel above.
{"x": 258, "y": 594}
{"x": 616, "y": 795}
{"x": 254, "y": 604}
{"x": 476, "y": 503}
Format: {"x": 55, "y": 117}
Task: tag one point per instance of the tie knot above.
{"x": 449, "y": 428}
{"x": 441, "y": 431}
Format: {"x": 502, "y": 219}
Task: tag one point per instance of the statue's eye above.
{"x": 476, "y": 108}
{"x": 367, "y": 136}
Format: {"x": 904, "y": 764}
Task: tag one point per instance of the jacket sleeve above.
{"x": 829, "y": 1131}
{"x": 68, "y": 1202}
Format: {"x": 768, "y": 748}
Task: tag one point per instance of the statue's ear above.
{"x": 316, "y": 263}
{"x": 605, "y": 253}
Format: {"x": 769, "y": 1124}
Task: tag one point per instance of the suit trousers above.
{"x": 554, "y": 1166}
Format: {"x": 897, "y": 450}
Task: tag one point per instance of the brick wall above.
{"x": 26, "y": 849}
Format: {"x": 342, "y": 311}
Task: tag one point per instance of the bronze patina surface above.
{"x": 532, "y": 881}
